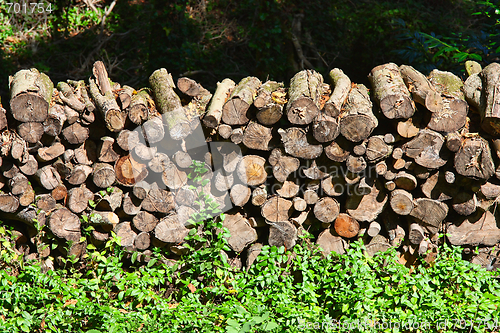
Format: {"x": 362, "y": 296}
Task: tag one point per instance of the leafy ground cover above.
{"x": 284, "y": 291}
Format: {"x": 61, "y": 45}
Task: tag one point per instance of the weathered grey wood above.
{"x": 78, "y": 198}
{"x": 326, "y": 209}
{"x": 295, "y": 142}
{"x": 48, "y": 177}
{"x": 169, "y": 104}
{"x": 269, "y": 101}
{"x": 479, "y": 229}
{"x": 276, "y": 209}
{"x": 174, "y": 178}
{"x": 282, "y": 165}
{"x": 127, "y": 140}
{"x": 390, "y": 92}
{"x": 430, "y": 211}
{"x": 65, "y": 224}
{"x": 329, "y": 242}
{"x": 30, "y": 95}
{"x": 127, "y": 234}
{"x": 103, "y": 175}
{"x": 341, "y": 85}
{"x": 422, "y": 90}
{"x": 257, "y": 136}
{"x": 282, "y": 234}
{"x": 241, "y": 233}
{"x": 377, "y": 149}
{"x": 288, "y": 189}
{"x": 30, "y": 131}
{"x": 137, "y": 110}
{"x": 145, "y": 221}
{"x": 358, "y": 121}
{"x": 474, "y": 160}
{"x": 102, "y": 94}
{"x": 465, "y": 203}
{"x": 158, "y": 200}
{"x": 401, "y": 202}
{"x": 75, "y": 134}
{"x": 366, "y": 208}
{"x": 425, "y": 148}
{"x": 234, "y": 111}
{"x": 214, "y": 111}
{"x": 304, "y": 96}
{"x": 153, "y": 130}
{"x": 46, "y": 154}
{"x": 105, "y": 152}
{"x": 240, "y": 194}
{"x": 171, "y": 230}
{"x": 68, "y": 96}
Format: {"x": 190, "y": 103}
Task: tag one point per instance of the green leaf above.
{"x": 271, "y": 326}
{"x": 134, "y": 256}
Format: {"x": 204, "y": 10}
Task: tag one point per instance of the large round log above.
{"x": 128, "y": 171}
{"x": 390, "y": 92}
{"x": 276, "y": 209}
{"x": 30, "y": 95}
{"x": 304, "y": 96}
{"x": 65, "y": 224}
{"x": 234, "y": 111}
{"x": 357, "y": 121}
{"x": 251, "y": 170}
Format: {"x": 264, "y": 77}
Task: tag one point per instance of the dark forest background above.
{"x": 209, "y": 40}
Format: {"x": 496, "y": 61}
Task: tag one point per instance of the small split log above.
{"x": 479, "y": 229}
{"x": 341, "y": 85}
{"x": 103, "y": 96}
{"x": 288, "y": 190}
{"x": 282, "y": 165}
{"x": 269, "y": 101}
{"x": 282, "y": 234}
{"x": 103, "y": 175}
{"x": 65, "y": 224}
{"x": 474, "y": 160}
{"x": 421, "y": 88}
{"x": 214, "y": 111}
{"x": 295, "y": 142}
{"x": 128, "y": 171}
{"x": 171, "y": 230}
{"x": 401, "y": 202}
{"x": 241, "y": 233}
{"x": 329, "y": 242}
{"x": 145, "y": 221}
{"x": 240, "y": 194}
{"x": 257, "y": 136}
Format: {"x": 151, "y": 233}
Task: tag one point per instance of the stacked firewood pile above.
{"x": 399, "y": 164}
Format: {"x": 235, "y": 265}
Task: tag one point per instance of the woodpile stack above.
{"x": 398, "y": 164}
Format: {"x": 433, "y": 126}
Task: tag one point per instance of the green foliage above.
{"x": 481, "y": 42}
{"x": 299, "y": 291}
